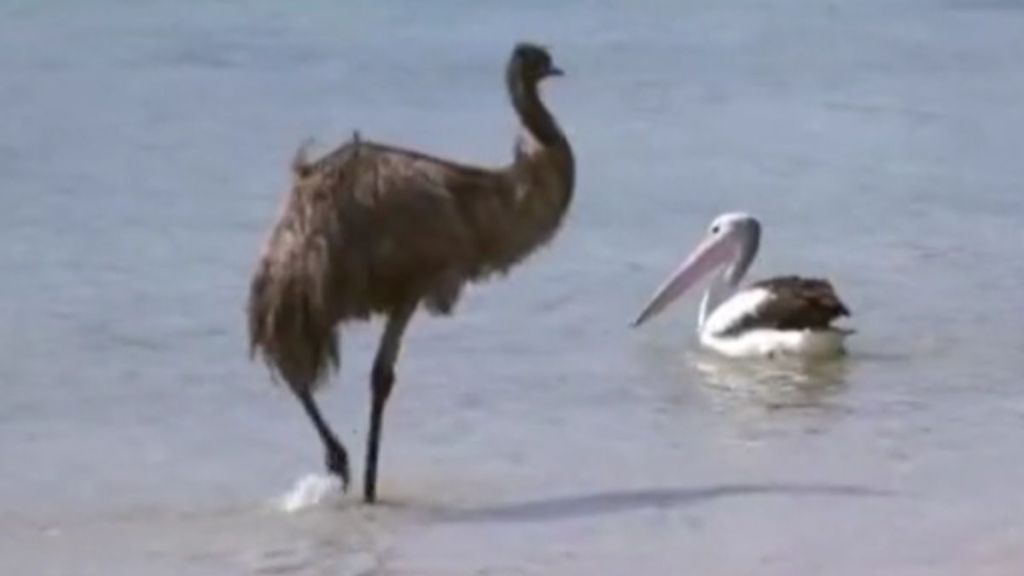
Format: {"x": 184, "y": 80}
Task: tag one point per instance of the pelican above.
{"x": 780, "y": 316}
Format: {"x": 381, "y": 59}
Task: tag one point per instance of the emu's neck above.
{"x": 541, "y": 138}
{"x": 533, "y": 115}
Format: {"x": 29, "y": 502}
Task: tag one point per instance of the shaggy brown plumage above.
{"x": 373, "y": 229}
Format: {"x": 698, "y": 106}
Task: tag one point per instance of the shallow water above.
{"x": 143, "y": 156}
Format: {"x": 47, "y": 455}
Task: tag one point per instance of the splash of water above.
{"x": 309, "y": 491}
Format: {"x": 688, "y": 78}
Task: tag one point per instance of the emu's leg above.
{"x": 382, "y": 380}
{"x": 335, "y": 455}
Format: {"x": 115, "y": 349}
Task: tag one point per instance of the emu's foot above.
{"x": 337, "y": 463}
{"x": 370, "y": 493}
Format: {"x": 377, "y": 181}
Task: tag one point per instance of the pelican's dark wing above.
{"x": 792, "y": 303}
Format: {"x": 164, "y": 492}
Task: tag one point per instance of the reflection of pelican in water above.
{"x": 781, "y": 382}
{"x": 781, "y": 316}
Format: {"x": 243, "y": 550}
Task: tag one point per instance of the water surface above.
{"x": 143, "y": 156}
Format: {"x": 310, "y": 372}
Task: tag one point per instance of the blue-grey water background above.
{"x": 144, "y": 149}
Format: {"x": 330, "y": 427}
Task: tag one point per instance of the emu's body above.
{"x": 374, "y": 229}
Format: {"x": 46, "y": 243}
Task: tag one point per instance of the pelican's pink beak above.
{"x": 713, "y": 252}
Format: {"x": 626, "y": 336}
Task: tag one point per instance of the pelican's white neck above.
{"x": 718, "y": 291}
{"x": 726, "y": 252}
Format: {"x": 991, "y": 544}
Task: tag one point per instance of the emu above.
{"x": 371, "y": 229}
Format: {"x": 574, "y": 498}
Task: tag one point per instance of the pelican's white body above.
{"x": 763, "y": 342}
{"x": 770, "y": 343}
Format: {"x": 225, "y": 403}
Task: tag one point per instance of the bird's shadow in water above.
{"x": 603, "y": 503}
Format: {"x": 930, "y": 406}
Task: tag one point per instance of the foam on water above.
{"x": 309, "y": 491}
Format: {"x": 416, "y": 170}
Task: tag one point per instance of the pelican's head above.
{"x": 731, "y": 243}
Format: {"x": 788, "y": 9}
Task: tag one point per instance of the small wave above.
{"x": 309, "y": 491}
